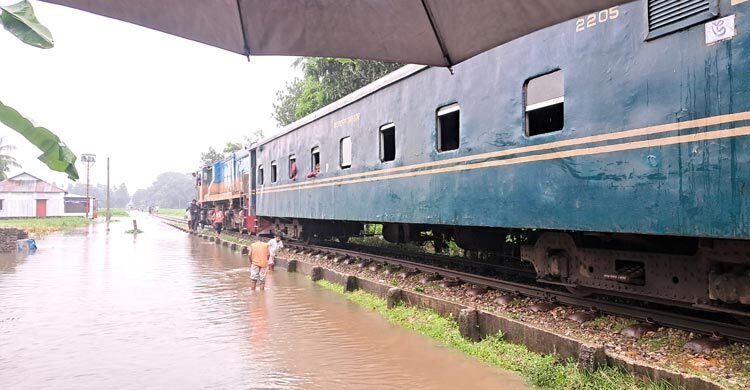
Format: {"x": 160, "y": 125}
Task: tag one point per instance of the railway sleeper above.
{"x": 714, "y": 277}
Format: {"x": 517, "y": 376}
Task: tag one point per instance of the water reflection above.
{"x": 92, "y": 310}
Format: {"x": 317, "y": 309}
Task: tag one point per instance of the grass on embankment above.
{"x": 113, "y": 212}
{"x": 543, "y": 371}
{"x": 177, "y": 213}
{"x": 45, "y": 225}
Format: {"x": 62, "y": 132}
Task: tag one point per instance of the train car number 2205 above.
{"x": 600, "y": 17}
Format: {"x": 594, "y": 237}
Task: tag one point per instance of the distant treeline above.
{"x": 170, "y": 190}
{"x": 118, "y": 195}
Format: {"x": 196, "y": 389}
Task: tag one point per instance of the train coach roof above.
{"x": 240, "y": 154}
{"x": 391, "y": 78}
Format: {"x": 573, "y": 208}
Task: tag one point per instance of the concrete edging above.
{"x": 476, "y": 324}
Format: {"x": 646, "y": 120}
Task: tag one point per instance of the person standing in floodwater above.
{"x": 218, "y": 221}
{"x": 274, "y": 245}
{"x": 258, "y": 254}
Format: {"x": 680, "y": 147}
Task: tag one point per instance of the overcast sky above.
{"x": 150, "y": 101}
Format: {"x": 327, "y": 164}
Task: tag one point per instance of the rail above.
{"x": 660, "y": 316}
{"x": 664, "y": 318}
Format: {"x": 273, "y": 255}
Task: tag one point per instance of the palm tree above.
{"x": 6, "y": 161}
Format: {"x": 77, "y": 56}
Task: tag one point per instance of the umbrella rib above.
{"x": 439, "y": 38}
{"x": 242, "y": 26}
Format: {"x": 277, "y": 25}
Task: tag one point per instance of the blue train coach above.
{"x": 610, "y": 151}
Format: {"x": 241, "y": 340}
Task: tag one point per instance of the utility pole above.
{"x": 88, "y": 159}
{"x": 108, "y": 214}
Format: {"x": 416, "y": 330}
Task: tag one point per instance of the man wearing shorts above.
{"x": 218, "y": 221}
{"x": 258, "y": 255}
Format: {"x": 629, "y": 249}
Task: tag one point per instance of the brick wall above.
{"x": 8, "y": 237}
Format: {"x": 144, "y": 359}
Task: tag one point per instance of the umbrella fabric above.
{"x": 430, "y": 32}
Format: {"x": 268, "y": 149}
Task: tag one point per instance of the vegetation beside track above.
{"x": 117, "y": 212}
{"x": 177, "y": 213}
{"x": 45, "y": 225}
{"x": 231, "y": 238}
{"x": 543, "y": 371}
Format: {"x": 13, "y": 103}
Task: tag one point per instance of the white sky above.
{"x": 150, "y": 101}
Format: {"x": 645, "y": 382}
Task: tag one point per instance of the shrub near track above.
{"x": 544, "y": 371}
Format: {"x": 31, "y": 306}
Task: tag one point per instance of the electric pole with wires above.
{"x": 88, "y": 159}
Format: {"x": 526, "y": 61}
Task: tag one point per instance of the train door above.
{"x": 251, "y": 206}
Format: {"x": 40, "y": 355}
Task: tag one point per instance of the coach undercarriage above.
{"x": 706, "y": 274}
{"x": 702, "y": 273}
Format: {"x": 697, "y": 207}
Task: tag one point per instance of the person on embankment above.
{"x": 274, "y": 245}
{"x": 218, "y": 221}
{"x": 195, "y": 214}
{"x": 258, "y": 254}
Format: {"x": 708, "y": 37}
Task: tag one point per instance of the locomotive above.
{"x": 610, "y": 151}
{"x": 226, "y": 184}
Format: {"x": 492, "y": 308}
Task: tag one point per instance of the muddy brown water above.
{"x": 91, "y": 310}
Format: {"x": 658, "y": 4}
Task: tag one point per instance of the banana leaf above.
{"x": 19, "y": 20}
{"x": 55, "y": 154}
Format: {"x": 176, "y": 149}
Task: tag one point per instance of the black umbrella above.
{"x": 431, "y": 32}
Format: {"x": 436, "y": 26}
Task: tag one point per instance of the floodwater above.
{"x": 163, "y": 310}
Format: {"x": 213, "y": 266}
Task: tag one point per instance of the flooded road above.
{"x": 91, "y": 310}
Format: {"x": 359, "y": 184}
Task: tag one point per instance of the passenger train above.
{"x": 613, "y": 149}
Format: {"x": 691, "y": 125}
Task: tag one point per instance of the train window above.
{"x": 665, "y": 17}
{"x": 293, "y": 167}
{"x": 345, "y": 152}
{"x": 544, "y": 104}
{"x": 274, "y": 172}
{"x": 448, "y": 127}
{"x": 388, "y": 142}
{"x": 315, "y": 160}
{"x": 260, "y": 175}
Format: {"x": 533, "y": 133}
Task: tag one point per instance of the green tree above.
{"x": 254, "y": 137}
{"x": 120, "y": 196}
{"x": 141, "y": 198}
{"x": 232, "y": 147}
{"x": 19, "y": 20}
{"x": 211, "y": 157}
{"x": 97, "y": 191}
{"x": 285, "y": 106}
{"x": 324, "y": 81}
{"x": 6, "y": 160}
{"x": 170, "y": 190}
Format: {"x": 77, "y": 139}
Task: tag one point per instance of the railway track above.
{"x": 446, "y": 267}
{"x": 170, "y": 219}
{"x": 668, "y": 319}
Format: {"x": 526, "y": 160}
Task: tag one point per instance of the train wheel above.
{"x": 343, "y": 239}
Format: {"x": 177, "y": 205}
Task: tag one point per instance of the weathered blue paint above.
{"x": 218, "y": 171}
{"x": 614, "y": 81}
